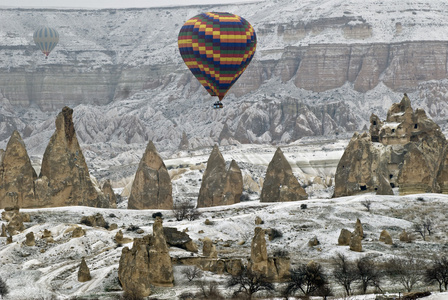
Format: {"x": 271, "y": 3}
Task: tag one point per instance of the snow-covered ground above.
{"x": 51, "y": 269}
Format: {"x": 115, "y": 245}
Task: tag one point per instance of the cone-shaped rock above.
{"x": 259, "y": 253}
{"x": 184, "y": 143}
{"x": 280, "y": 184}
{"x": 16, "y": 175}
{"x": 220, "y": 187}
{"x": 64, "y": 176}
{"x": 3, "y": 232}
{"x": 109, "y": 194}
{"x": 83, "y": 272}
{"x": 151, "y": 188}
{"x": 30, "y": 241}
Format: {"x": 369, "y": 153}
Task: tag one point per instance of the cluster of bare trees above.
{"x": 357, "y": 275}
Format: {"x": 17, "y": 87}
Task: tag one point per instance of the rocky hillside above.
{"x": 320, "y": 69}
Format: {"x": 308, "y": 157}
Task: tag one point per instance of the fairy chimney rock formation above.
{"x": 280, "y": 184}
{"x": 385, "y": 237}
{"x": 151, "y": 188}
{"x": 258, "y": 252}
{"x": 344, "y": 237}
{"x": 109, "y": 194}
{"x": 160, "y": 260}
{"x": 64, "y": 178}
{"x": 358, "y": 229}
{"x": 356, "y": 243}
{"x": 30, "y": 241}
{"x": 220, "y": 186}
{"x": 84, "y": 272}
{"x": 3, "y": 232}
{"x": 407, "y": 151}
{"x": 147, "y": 263}
{"x": 208, "y": 249}
{"x": 17, "y": 175}
{"x": 15, "y": 225}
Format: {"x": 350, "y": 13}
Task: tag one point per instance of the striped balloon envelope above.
{"x": 217, "y": 48}
{"x": 46, "y": 39}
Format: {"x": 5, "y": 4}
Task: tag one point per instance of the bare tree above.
{"x": 3, "y": 288}
{"x": 306, "y": 278}
{"x": 185, "y": 209}
{"x": 192, "y": 273}
{"x": 208, "y": 290}
{"x": 406, "y": 270}
{"x": 438, "y": 272}
{"x": 420, "y": 229}
{"x": 249, "y": 283}
{"x": 344, "y": 272}
{"x": 427, "y": 225}
{"x": 367, "y": 203}
{"x": 368, "y": 273}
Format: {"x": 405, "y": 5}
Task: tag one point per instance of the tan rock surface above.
{"x": 15, "y": 225}
{"x": 3, "y": 232}
{"x": 151, "y": 188}
{"x": 356, "y": 243}
{"x": 385, "y": 237}
{"x": 17, "y": 175}
{"x": 208, "y": 249}
{"x": 220, "y": 186}
{"x": 280, "y": 184}
{"x": 64, "y": 178}
{"x": 160, "y": 261}
{"x": 109, "y": 194}
{"x": 344, "y": 237}
{"x": 83, "y": 272}
{"x": 78, "y": 232}
{"x": 30, "y": 241}
{"x": 358, "y": 229}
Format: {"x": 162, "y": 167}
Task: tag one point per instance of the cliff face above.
{"x": 313, "y": 69}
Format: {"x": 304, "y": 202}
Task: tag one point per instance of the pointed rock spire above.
{"x": 64, "y": 176}
{"x": 16, "y": 175}
{"x": 109, "y": 194}
{"x": 152, "y": 187}
{"x": 220, "y": 187}
{"x": 84, "y": 272}
{"x": 280, "y": 183}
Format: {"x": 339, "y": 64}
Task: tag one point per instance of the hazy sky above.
{"x": 109, "y": 3}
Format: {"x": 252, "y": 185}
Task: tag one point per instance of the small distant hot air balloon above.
{"x": 217, "y": 47}
{"x": 46, "y": 39}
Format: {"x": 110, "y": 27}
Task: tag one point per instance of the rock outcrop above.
{"x": 280, "y": 184}
{"x": 274, "y": 268}
{"x": 359, "y": 231}
{"x": 15, "y": 225}
{"x": 151, "y": 188}
{"x": 17, "y": 175}
{"x": 407, "y": 151}
{"x": 147, "y": 263}
{"x": 83, "y": 272}
{"x": 385, "y": 237}
{"x": 64, "y": 178}
{"x": 220, "y": 186}
{"x": 208, "y": 249}
{"x": 356, "y": 243}
{"x": 160, "y": 261}
{"x": 78, "y": 232}
{"x": 96, "y": 220}
{"x": 109, "y": 194}
{"x": 3, "y": 232}
{"x": 405, "y": 237}
{"x": 30, "y": 241}
{"x": 176, "y": 238}
{"x": 344, "y": 237}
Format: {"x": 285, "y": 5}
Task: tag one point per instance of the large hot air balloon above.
{"x": 46, "y": 39}
{"x": 217, "y": 48}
